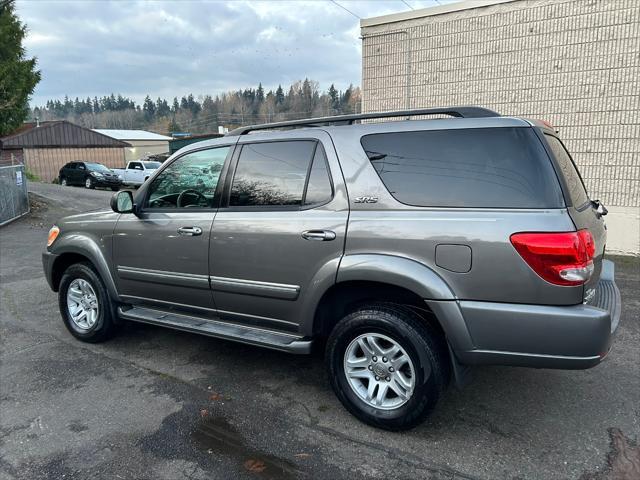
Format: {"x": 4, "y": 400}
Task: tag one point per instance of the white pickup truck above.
{"x": 137, "y": 172}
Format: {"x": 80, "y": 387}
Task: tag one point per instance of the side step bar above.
{"x": 285, "y": 342}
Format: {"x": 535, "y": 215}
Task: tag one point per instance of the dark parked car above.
{"x": 410, "y": 250}
{"x": 90, "y": 175}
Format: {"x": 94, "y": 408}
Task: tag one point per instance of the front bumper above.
{"x": 107, "y": 182}
{"x": 571, "y": 337}
{"x": 48, "y": 259}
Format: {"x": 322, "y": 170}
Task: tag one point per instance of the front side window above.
{"x": 81, "y": 166}
{"x": 190, "y": 181}
{"x": 271, "y": 174}
{"x": 135, "y": 166}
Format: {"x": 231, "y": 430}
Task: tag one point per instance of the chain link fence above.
{"x": 14, "y": 199}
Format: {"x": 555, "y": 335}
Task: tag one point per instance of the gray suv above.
{"x": 410, "y": 250}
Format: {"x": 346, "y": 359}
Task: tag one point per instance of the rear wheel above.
{"x": 387, "y": 365}
{"x": 63, "y": 182}
{"x": 115, "y": 189}
{"x": 88, "y": 183}
{"x": 85, "y": 306}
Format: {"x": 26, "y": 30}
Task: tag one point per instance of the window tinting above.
{"x": 190, "y": 181}
{"x": 98, "y": 167}
{"x": 271, "y": 173}
{"x": 319, "y": 187}
{"x": 135, "y": 165}
{"x": 483, "y": 167}
{"x": 577, "y": 192}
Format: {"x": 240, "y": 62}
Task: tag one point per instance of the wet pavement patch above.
{"x": 216, "y": 436}
{"x": 623, "y": 461}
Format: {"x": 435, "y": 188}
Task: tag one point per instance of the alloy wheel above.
{"x": 379, "y": 371}
{"x": 82, "y": 304}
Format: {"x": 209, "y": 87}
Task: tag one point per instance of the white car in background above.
{"x": 136, "y": 172}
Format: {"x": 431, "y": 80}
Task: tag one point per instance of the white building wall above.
{"x": 575, "y": 63}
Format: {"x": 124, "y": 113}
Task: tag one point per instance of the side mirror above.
{"x": 122, "y": 202}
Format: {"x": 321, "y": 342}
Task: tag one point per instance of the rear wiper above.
{"x": 375, "y": 155}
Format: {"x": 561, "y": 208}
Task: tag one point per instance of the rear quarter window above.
{"x": 575, "y": 186}
{"x": 477, "y": 168}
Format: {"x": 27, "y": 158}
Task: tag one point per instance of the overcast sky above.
{"x": 87, "y": 48}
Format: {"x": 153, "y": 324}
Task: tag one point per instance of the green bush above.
{"x": 32, "y": 177}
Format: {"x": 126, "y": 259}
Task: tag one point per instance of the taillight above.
{"x": 561, "y": 258}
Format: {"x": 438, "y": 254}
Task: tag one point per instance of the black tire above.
{"x": 63, "y": 182}
{"x": 425, "y": 346}
{"x": 89, "y": 183}
{"x": 104, "y": 326}
{"x": 115, "y": 189}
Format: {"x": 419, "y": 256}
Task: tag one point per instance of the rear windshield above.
{"x": 577, "y": 192}
{"x": 152, "y": 165}
{"x": 482, "y": 167}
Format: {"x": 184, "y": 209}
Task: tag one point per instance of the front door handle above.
{"x": 319, "y": 235}
{"x": 190, "y": 231}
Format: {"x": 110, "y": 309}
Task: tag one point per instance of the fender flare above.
{"x": 401, "y": 272}
{"x": 87, "y": 247}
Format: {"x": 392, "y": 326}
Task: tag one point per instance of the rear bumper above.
{"x": 571, "y": 337}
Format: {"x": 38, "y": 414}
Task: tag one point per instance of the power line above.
{"x": 407, "y": 4}
{"x": 346, "y": 10}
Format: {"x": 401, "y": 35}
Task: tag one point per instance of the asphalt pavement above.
{"x": 158, "y": 404}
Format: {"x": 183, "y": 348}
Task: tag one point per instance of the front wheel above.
{"x": 85, "y": 305}
{"x": 387, "y": 365}
{"x": 88, "y": 183}
{"x": 63, "y": 182}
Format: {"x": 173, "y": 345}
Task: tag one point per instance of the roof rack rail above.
{"x": 462, "y": 112}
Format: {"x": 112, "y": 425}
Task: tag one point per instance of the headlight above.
{"x": 96, "y": 174}
{"x": 53, "y": 234}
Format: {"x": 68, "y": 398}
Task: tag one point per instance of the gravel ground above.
{"x": 158, "y": 404}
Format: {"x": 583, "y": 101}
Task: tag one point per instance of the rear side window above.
{"x": 577, "y": 192}
{"x": 483, "y": 167}
{"x": 319, "y": 188}
{"x": 271, "y": 174}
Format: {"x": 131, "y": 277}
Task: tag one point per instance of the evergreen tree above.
{"x": 279, "y": 95}
{"x": 149, "y": 108}
{"x": 334, "y": 97}
{"x": 18, "y": 75}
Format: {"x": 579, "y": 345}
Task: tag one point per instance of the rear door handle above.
{"x": 190, "y": 231}
{"x": 319, "y": 235}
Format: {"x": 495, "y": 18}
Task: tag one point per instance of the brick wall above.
{"x": 575, "y": 63}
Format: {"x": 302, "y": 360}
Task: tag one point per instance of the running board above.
{"x": 285, "y": 342}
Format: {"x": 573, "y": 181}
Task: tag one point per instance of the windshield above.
{"x": 151, "y": 165}
{"x": 97, "y": 167}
